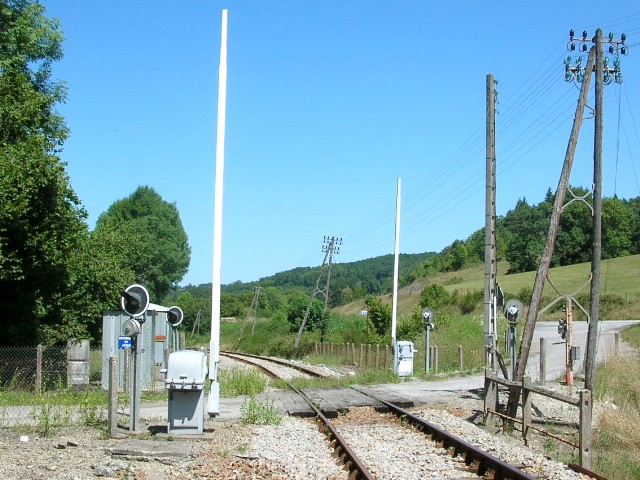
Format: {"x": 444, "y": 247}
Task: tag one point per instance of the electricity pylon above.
{"x": 330, "y": 247}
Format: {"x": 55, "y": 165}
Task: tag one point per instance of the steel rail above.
{"x": 278, "y": 361}
{"x": 584, "y": 471}
{"x": 266, "y": 370}
{"x": 346, "y": 456}
{"x": 480, "y": 461}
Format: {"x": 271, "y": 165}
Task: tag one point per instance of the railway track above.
{"x": 266, "y": 365}
{"x": 357, "y": 438}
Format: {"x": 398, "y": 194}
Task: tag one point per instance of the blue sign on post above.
{"x": 124, "y": 342}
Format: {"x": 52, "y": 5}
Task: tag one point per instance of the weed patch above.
{"x": 241, "y": 381}
{"x": 255, "y": 412}
{"x": 49, "y": 418}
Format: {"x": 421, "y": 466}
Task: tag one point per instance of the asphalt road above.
{"x": 555, "y": 348}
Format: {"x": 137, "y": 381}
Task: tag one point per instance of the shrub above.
{"x": 469, "y": 301}
{"x": 410, "y": 328}
{"x": 434, "y": 296}
{"x": 241, "y": 381}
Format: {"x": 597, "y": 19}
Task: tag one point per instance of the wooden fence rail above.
{"x": 379, "y": 356}
{"x": 583, "y": 402}
{"x": 362, "y": 355}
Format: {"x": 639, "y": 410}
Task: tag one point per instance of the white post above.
{"x": 394, "y": 307}
{"x": 213, "y": 403}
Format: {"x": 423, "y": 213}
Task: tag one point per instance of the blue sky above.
{"x": 328, "y": 104}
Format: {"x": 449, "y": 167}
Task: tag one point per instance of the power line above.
{"x": 455, "y": 179}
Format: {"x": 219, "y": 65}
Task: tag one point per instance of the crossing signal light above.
{"x": 428, "y": 318}
{"x": 562, "y": 328}
{"x": 135, "y": 300}
{"x": 513, "y": 310}
{"x": 175, "y": 316}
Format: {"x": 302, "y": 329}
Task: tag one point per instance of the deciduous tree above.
{"x": 151, "y": 229}
{"x": 41, "y": 220}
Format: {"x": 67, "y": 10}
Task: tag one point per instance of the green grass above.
{"x": 241, "y": 381}
{"x": 617, "y": 436}
{"x": 58, "y": 397}
{"x": 618, "y": 277}
{"x": 632, "y": 335}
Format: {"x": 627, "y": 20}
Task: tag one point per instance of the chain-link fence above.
{"x": 559, "y": 359}
{"x": 33, "y": 369}
{"x": 48, "y": 387}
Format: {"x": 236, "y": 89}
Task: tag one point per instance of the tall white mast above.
{"x": 213, "y": 403}
{"x": 394, "y": 311}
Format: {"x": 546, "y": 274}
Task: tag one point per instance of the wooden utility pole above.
{"x": 545, "y": 260}
{"x": 254, "y": 304}
{"x": 490, "y": 262}
{"x": 253, "y": 308}
{"x": 196, "y": 323}
{"x": 596, "y": 252}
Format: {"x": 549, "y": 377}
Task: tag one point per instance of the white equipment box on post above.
{"x": 405, "y": 358}
{"x": 185, "y": 381}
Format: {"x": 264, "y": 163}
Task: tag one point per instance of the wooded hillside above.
{"x": 521, "y": 236}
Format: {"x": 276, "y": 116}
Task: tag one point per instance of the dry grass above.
{"x": 617, "y": 436}
{"x": 620, "y": 428}
{"x": 619, "y": 379}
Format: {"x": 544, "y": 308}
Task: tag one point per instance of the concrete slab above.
{"x": 155, "y": 449}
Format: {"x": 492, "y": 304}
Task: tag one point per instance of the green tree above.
{"x": 634, "y": 208}
{"x": 95, "y": 283}
{"x": 459, "y": 255}
{"x": 192, "y": 304}
{"x": 476, "y": 247}
{"x": 151, "y": 228}
{"x": 232, "y": 306}
{"x": 526, "y": 236}
{"x": 379, "y": 315}
{"x": 42, "y": 222}
{"x": 297, "y": 304}
{"x": 411, "y": 328}
{"x": 573, "y": 242}
{"x": 270, "y": 301}
{"x": 617, "y": 228}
